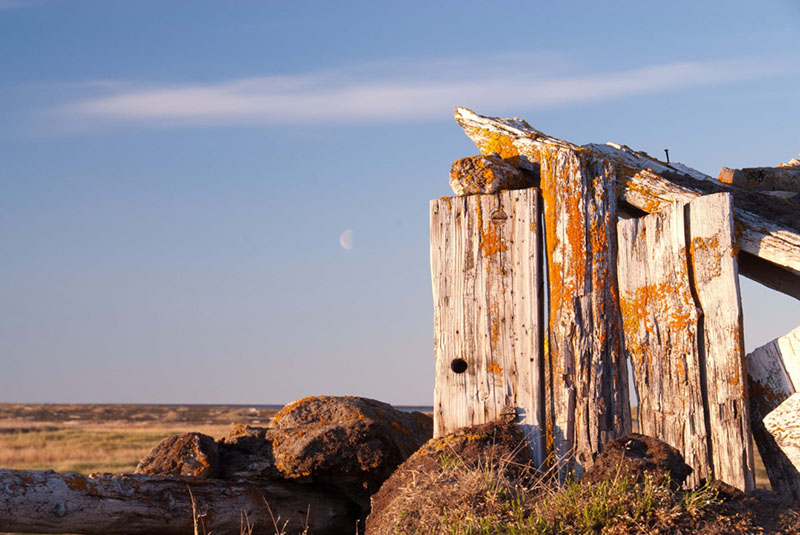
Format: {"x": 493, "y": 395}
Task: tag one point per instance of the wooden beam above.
{"x": 785, "y": 178}
{"x": 764, "y": 228}
{"x": 773, "y": 371}
{"x": 48, "y": 502}
{"x": 487, "y": 293}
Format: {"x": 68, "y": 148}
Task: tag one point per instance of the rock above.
{"x": 245, "y": 453}
{"x": 346, "y": 446}
{"x": 190, "y": 454}
{"x": 449, "y": 475}
{"x": 488, "y": 174}
{"x": 633, "y": 456}
{"x": 350, "y": 443}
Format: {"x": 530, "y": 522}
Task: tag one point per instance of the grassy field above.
{"x": 103, "y": 438}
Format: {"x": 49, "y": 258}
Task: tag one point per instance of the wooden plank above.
{"x": 716, "y": 283}
{"x": 773, "y": 371}
{"x": 785, "y": 178}
{"x": 783, "y": 423}
{"x": 650, "y": 185}
{"x": 683, "y": 330}
{"x": 47, "y": 502}
{"x": 586, "y": 358}
{"x": 485, "y": 268}
{"x": 662, "y": 334}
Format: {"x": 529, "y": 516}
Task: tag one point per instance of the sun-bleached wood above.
{"x": 586, "y": 360}
{"x": 487, "y": 293}
{"x": 683, "y": 330}
{"x": 662, "y": 335}
{"x": 49, "y": 502}
{"x": 783, "y": 423}
{"x": 785, "y": 178}
{"x": 715, "y": 280}
{"x": 642, "y": 181}
{"x": 773, "y": 372}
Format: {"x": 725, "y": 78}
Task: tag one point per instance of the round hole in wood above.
{"x": 458, "y": 365}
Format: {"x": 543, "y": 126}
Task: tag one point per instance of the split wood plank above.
{"x": 715, "y": 279}
{"x": 662, "y": 335}
{"x": 683, "y": 330}
{"x": 773, "y": 371}
{"x": 785, "y": 178}
{"x": 48, "y": 502}
{"x": 647, "y": 184}
{"x": 487, "y": 293}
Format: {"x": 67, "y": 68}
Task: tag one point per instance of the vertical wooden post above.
{"x": 774, "y": 373}
{"x": 485, "y": 268}
{"x": 715, "y": 276}
{"x": 661, "y": 334}
{"x": 586, "y": 359}
{"x": 683, "y": 330}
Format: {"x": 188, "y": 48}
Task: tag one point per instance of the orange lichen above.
{"x": 493, "y": 367}
{"x": 495, "y": 142}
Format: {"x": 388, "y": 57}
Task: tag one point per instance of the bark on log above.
{"x": 764, "y": 229}
{"x": 773, "y": 371}
{"x": 487, "y": 293}
{"x": 586, "y": 367}
{"x": 762, "y": 178}
{"x": 49, "y": 502}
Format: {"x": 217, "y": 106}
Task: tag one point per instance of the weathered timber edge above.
{"x": 768, "y": 232}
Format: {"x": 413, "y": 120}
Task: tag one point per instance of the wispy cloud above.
{"x": 395, "y": 92}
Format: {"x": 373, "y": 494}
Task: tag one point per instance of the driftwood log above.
{"x": 49, "y": 502}
{"x": 773, "y": 373}
{"x": 683, "y": 329}
{"x": 488, "y": 299}
{"x": 764, "y": 229}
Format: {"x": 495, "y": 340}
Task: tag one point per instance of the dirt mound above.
{"x": 450, "y": 475}
{"x": 633, "y": 456}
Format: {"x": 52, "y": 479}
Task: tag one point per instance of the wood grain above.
{"x": 486, "y": 273}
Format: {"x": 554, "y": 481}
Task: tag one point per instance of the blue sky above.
{"x": 176, "y": 175}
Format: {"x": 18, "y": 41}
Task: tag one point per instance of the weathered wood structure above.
{"x": 773, "y": 373}
{"x": 673, "y": 308}
{"x": 683, "y": 329}
{"x": 486, "y": 257}
{"x": 47, "y": 502}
